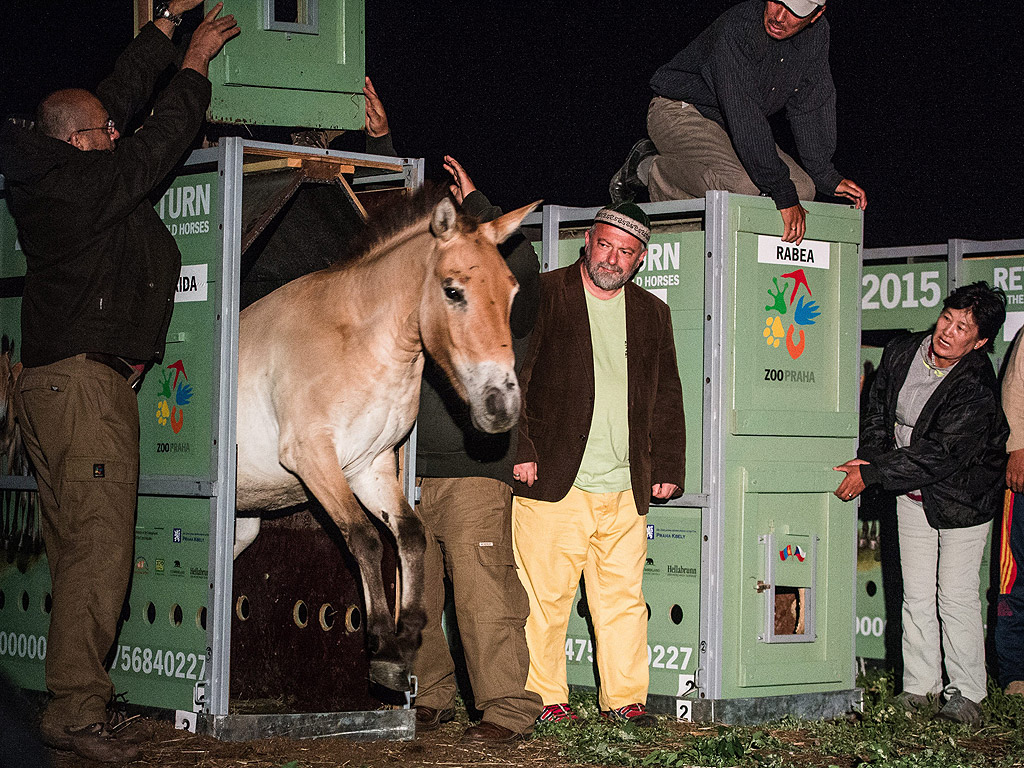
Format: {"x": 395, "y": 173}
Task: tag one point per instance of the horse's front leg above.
{"x": 381, "y": 493}
{"x": 317, "y": 465}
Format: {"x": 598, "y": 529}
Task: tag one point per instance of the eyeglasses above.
{"x": 107, "y": 126}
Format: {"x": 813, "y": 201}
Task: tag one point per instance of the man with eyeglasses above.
{"x": 99, "y": 291}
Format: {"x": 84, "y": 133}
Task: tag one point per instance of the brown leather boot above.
{"x": 94, "y": 742}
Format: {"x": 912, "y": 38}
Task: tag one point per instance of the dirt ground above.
{"x": 170, "y": 748}
{"x": 166, "y": 747}
{"x": 883, "y": 735}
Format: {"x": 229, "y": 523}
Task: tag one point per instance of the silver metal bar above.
{"x": 18, "y": 483}
{"x": 395, "y": 725}
{"x": 717, "y": 255}
{"x": 413, "y": 175}
{"x": 378, "y": 178}
{"x": 413, "y": 171}
{"x": 907, "y": 252}
{"x": 550, "y": 219}
{"x": 687, "y": 500}
{"x": 674, "y": 206}
{"x": 854, "y": 522}
{"x": 955, "y": 265}
{"x": 225, "y": 400}
{"x": 990, "y": 246}
{"x": 209, "y": 155}
{"x": 172, "y": 485}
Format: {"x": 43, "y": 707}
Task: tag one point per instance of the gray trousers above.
{"x": 80, "y": 422}
{"x": 468, "y": 524}
{"x": 696, "y": 155}
{"x": 941, "y": 570}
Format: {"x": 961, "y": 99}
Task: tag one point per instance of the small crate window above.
{"x": 301, "y": 16}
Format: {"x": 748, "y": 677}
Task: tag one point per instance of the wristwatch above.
{"x": 163, "y": 11}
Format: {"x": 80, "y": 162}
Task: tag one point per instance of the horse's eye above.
{"x": 454, "y": 294}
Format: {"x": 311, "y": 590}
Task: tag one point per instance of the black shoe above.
{"x": 625, "y": 183}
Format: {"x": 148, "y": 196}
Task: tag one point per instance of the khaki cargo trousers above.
{"x": 80, "y": 422}
{"x": 696, "y": 155}
{"x": 468, "y": 522}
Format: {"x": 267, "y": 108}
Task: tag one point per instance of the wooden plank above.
{"x": 256, "y": 166}
{"x": 265, "y": 152}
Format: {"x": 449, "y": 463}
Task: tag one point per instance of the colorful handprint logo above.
{"x": 804, "y": 313}
{"x": 175, "y": 394}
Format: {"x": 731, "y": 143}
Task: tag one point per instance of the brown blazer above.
{"x": 558, "y": 391}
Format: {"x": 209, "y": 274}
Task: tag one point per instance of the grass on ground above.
{"x": 883, "y": 735}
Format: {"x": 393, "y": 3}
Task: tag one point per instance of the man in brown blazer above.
{"x": 600, "y": 434}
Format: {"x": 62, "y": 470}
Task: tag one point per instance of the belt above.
{"x": 120, "y": 366}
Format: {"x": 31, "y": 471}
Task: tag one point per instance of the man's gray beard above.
{"x": 605, "y": 281}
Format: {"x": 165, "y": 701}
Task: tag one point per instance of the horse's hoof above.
{"x": 390, "y": 674}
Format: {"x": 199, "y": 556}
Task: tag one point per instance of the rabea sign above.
{"x": 810, "y": 253}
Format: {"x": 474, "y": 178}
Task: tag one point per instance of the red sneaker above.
{"x": 557, "y": 713}
{"x": 632, "y": 713}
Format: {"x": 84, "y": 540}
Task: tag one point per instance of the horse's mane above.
{"x": 411, "y": 211}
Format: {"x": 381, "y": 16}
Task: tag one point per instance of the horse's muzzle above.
{"x": 500, "y": 409}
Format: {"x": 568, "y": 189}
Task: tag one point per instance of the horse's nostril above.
{"x": 495, "y": 402}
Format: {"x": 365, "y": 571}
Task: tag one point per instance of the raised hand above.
{"x": 376, "y": 117}
{"x": 461, "y": 184}
{"x": 208, "y": 39}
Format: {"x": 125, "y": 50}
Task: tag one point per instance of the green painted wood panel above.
{"x": 270, "y": 77}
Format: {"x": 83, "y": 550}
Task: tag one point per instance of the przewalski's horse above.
{"x": 329, "y": 370}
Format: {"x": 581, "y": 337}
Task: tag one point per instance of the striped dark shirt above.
{"x": 736, "y": 75}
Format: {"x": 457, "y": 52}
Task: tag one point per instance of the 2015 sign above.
{"x": 893, "y": 291}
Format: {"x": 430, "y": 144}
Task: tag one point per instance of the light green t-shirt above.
{"x": 605, "y": 465}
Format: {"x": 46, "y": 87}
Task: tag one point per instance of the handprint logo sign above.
{"x": 804, "y": 313}
{"x": 175, "y": 394}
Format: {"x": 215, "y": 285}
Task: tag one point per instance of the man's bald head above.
{"x": 63, "y": 112}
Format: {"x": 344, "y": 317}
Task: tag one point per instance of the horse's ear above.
{"x": 16, "y": 371}
{"x": 504, "y": 226}
{"x": 442, "y": 220}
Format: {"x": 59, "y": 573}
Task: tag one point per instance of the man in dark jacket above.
{"x": 99, "y": 290}
{"x": 466, "y": 508}
{"x": 708, "y": 120}
{"x": 934, "y": 433}
{"x": 601, "y": 433}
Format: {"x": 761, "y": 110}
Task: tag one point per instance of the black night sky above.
{"x": 544, "y": 99}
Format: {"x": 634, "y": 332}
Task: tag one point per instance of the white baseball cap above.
{"x": 803, "y": 8}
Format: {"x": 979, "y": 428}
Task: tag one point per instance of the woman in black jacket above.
{"x": 934, "y": 434}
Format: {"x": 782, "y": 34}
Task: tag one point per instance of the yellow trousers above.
{"x": 601, "y": 536}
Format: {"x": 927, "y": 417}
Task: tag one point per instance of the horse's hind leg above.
{"x": 381, "y": 494}
{"x": 319, "y": 470}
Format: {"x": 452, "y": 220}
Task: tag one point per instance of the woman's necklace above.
{"x": 929, "y": 361}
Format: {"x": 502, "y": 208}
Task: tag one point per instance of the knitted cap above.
{"x": 628, "y": 217}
